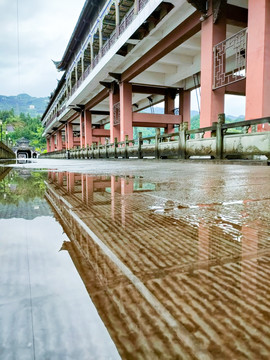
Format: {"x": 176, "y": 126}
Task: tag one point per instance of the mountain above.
{"x": 24, "y": 103}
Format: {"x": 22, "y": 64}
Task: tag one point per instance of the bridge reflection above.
{"x": 164, "y": 285}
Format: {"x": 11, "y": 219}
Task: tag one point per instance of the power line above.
{"x": 18, "y": 53}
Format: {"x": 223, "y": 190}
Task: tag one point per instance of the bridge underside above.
{"x": 160, "y": 56}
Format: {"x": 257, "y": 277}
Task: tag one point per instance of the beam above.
{"x": 141, "y": 89}
{"x": 237, "y": 15}
{"x": 180, "y": 34}
{"x": 237, "y": 88}
{"x": 97, "y": 99}
{"x": 99, "y": 112}
{"x": 162, "y": 120}
{"x": 101, "y": 133}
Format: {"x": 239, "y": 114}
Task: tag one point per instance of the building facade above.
{"x": 127, "y": 55}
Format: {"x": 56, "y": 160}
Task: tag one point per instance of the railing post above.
{"x": 157, "y": 137}
{"x": 126, "y": 147}
{"x": 106, "y": 148}
{"x": 92, "y": 148}
{"x": 219, "y": 136}
{"x": 115, "y": 148}
{"x": 99, "y": 144}
{"x": 140, "y": 145}
{"x": 182, "y": 140}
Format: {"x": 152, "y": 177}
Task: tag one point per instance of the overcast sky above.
{"x": 45, "y": 27}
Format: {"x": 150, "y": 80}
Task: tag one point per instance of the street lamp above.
{"x": 6, "y": 137}
{"x": 1, "y": 124}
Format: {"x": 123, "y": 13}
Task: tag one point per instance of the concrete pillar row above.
{"x": 212, "y": 101}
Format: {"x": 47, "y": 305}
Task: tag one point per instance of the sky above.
{"x": 41, "y": 35}
{"x": 44, "y": 29}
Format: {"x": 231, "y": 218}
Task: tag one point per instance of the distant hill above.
{"x": 24, "y": 103}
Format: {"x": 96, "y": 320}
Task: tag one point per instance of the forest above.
{"x": 15, "y": 127}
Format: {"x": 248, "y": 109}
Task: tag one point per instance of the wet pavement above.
{"x": 134, "y": 260}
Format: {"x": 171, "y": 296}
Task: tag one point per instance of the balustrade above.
{"x": 179, "y": 144}
{"x": 230, "y": 59}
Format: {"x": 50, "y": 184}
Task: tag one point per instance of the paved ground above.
{"x": 175, "y": 256}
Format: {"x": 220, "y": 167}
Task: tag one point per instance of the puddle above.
{"x": 120, "y": 270}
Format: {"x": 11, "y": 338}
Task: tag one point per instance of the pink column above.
{"x": 212, "y": 102}
{"x": 87, "y": 128}
{"x": 69, "y": 135}
{"x": 169, "y": 109}
{"x": 258, "y": 60}
{"x": 48, "y": 145}
{"x": 59, "y": 140}
{"x": 82, "y": 140}
{"x": 52, "y": 143}
{"x": 114, "y": 130}
{"x": 126, "y": 111}
{"x": 184, "y": 106}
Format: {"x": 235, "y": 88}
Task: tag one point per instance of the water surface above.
{"x": 139, "y": 265}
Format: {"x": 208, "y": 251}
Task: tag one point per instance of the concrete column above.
{"x": 212, "y": 102}
{"x": 125, "y": 111}
{"x": 117, "y": 13}
{"x": 69, "y": 136}
{"x": 136, "y": 7}
{"x": 66, "y": 136}
{"x": 87, "y": 128}
{"x": 82, "y": 62}
{"x": 114, "y": 130}
{"x": 100, "y": 36}
{"x": 48, "y": 145}
{"x": 52, "y": 146}
{"x": 91, "y": 51}
{"x": 258, "y": 60}
{"x": 59, "y": 140}
{"x": 184, "y": 106}
{"x": 169, "y": 109}
{"x": 82, "y": 140}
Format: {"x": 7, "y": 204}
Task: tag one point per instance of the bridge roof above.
{"x": 88, "y": 12}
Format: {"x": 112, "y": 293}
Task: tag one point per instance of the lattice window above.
{"x": 116, "y": 113}
{"x": 230, "y": 60}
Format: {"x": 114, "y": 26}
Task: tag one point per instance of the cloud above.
{"x": 44, "y": 31}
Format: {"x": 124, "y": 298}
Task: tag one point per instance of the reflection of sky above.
{"x": 43, "y": 299}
